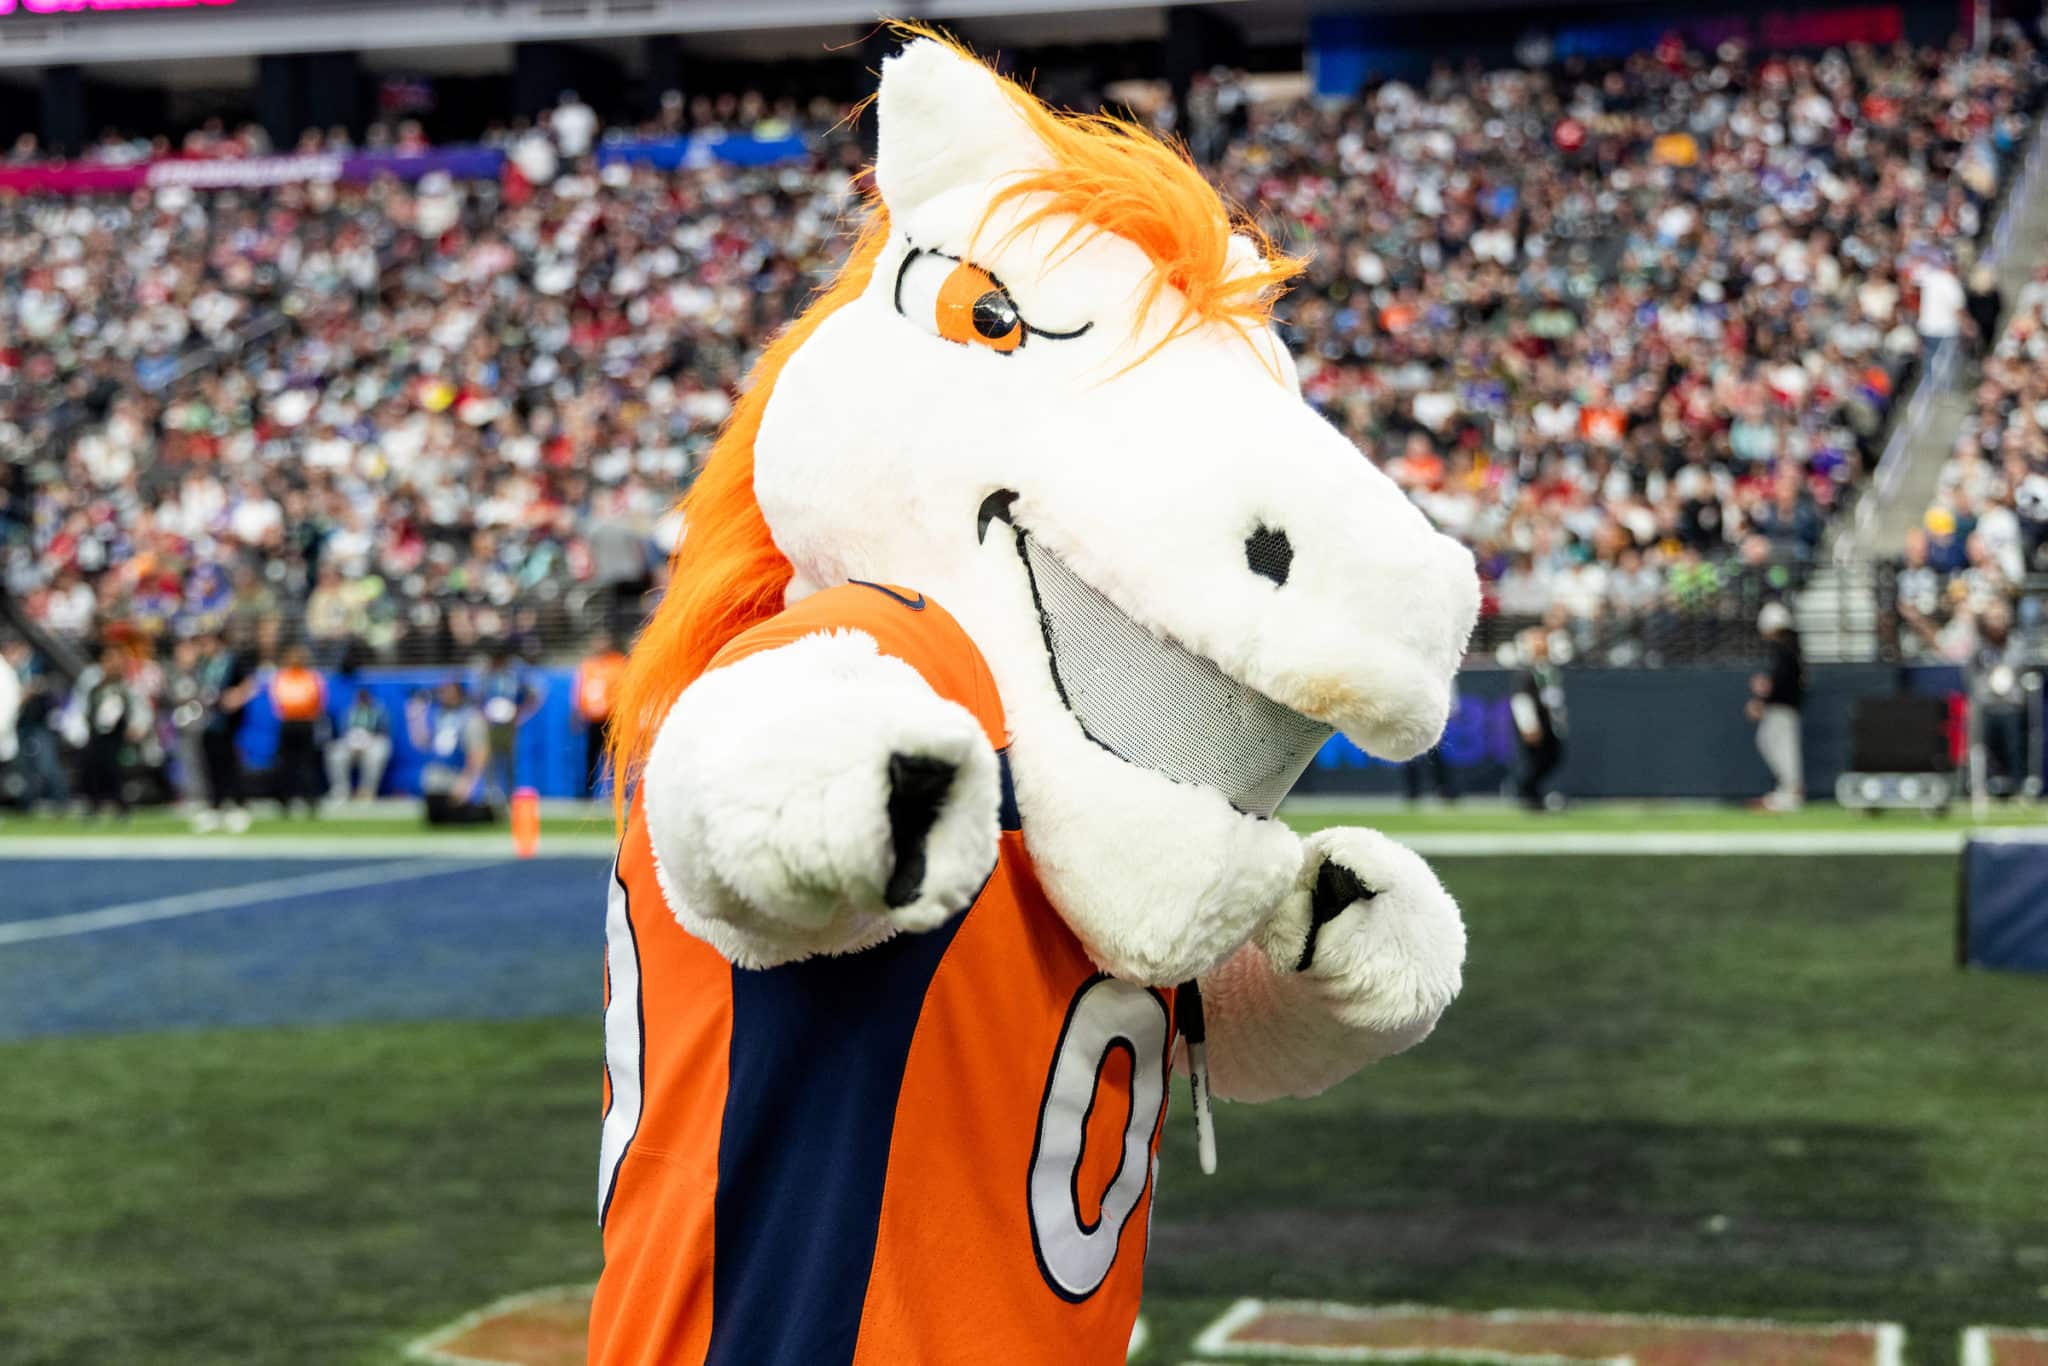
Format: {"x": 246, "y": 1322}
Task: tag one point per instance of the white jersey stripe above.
{"x": 624, "y": 1042}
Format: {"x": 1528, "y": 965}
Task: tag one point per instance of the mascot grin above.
{"x": 1019, "y": 590}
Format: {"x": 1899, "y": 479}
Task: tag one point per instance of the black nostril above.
{"x": 994, "y": 508}
{"x": 1269, "y": 554}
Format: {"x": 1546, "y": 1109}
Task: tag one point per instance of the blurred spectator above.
{"x": 227, "y": 682}
{"x": 452, "y": 733}
{"x": 183, "y": 709}
{"x": 333, "y": 618}
{"x": 1984, "y": 306}
{"x": 597, "y": 690}
{"x": 11, "y": 689}
{"x": 1777, "y": 697}
{"x": 357, "y": 756}
{"x": 1998, "y": 702}
{"x": 298, "y": 695}
{"x": 112, "y": 718}
{"x": 1942, "y": 303}
{"x": 575, "y": 126}
{"x": 508, "y": 700}
{"x": 621, "y": 564}
{"x": 39, "y": 762}
{"x": 1538, "y": 707}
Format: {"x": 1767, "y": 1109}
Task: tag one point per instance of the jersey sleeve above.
{"x": 903, "y": 623}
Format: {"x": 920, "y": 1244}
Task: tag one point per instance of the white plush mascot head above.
{"x": 1046, "y": 392}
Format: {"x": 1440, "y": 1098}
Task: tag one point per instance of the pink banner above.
{"x": 8, "y": 7}
{"x": 70, "y": 179}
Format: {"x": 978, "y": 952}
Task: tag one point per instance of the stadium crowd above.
{"x": 1635, "y": 336}
{"x": 1633, "y": 332}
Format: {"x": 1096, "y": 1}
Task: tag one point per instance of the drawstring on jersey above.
{"x": 1188, "y": 1009}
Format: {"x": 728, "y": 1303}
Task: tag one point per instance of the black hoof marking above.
{"x": 1336, "y": 888}
{"x": 917, "y": 791}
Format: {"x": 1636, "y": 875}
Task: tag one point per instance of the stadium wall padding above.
{"x": 1671, "y": 733}
{"x": 550, "y": 745}
{"x": 1677, "y": 733}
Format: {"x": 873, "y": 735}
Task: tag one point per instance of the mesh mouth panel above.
{"x": 1156, "y": 705}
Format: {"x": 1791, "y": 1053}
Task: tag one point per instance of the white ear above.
{"x": 1244, "y": 256}
{"x": 945, "y": 121}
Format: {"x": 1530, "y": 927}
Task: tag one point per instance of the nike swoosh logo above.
{"x": 915, "y": 604}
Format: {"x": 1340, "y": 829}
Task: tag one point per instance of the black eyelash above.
{"x": 1029, "y": 330}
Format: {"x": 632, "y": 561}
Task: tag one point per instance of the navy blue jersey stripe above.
{"x": 816, "y": 1064}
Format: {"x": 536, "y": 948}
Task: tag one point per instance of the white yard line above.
{"x": 223, "y": 899}
{"x": 1534, "y": 844}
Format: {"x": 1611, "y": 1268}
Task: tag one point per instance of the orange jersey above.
{"x": 298, "y": 694}
{"x": 938, "y": 1150}
{"x": 597, "y": 685}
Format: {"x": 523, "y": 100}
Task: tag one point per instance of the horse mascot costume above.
{"x": 1018, "y": 591}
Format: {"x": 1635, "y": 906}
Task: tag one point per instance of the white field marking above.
{"x": 1769, "y": 842}
{"x": 428, "y": 1348}
{"x": 495, "y": 845}
{"x": 223, "y": 899}
{"x": 1215, "y": 1340}
{"x": 1888, "y": 1339}
{"x": 1466, "y": 1356}
{"x": 2015, "y": 834}
{"x": 1140, "y": 1335}
{"x": 1977, "y": 1349}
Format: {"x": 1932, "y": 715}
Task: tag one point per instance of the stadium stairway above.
{"x": 1928, "y": 435}
{"x": 1914, "y": 489}
{"x": 1837, "y": 613}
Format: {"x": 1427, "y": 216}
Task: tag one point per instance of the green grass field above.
{"x": 1687, "y": 1085}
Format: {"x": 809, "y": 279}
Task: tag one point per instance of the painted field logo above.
{"x": 542, "y": 1328}
{"x": 1343, "y": 1332}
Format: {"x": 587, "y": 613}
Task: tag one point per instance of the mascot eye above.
{"x": 963, "y": 303}
{"x": 974, "y": 308}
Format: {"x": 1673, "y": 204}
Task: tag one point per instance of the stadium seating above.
{"x": 1633, "y": 332}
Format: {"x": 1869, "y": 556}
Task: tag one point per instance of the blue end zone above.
{"x": 482, "y": 940}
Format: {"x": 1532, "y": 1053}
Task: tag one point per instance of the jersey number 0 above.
{"x": 1107, "y": 1016}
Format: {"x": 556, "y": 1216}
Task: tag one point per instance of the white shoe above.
{"x": 237, "y": 821}
{"x": 205, "y": 822}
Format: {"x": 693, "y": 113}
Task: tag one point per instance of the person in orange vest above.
{"x": 298, "y": 694}
{"x": 597, "y": 687}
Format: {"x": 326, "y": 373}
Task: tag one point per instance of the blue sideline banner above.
{"x": 550, "y": 744}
